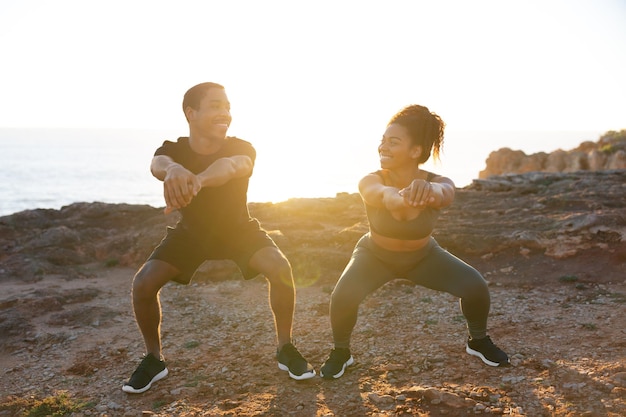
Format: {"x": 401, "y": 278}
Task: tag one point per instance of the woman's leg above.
{"x": 442, "y": 271}
{"x": 362, "y": 276}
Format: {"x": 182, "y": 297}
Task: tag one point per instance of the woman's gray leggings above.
{"x": 432, "y": 267}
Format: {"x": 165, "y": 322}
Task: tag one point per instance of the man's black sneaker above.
{"x": 487, "y": 351}
{"x": 290, "y": 360}
{"x": 149, "y": 371}
{"x": 336, "y": 364}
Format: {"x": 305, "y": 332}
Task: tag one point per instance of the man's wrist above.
{"x": 171, "y": 166}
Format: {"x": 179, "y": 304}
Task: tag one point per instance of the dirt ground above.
{"x": 566, "y": 340}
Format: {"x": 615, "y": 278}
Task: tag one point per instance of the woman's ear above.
{"x": 416, "y": 152}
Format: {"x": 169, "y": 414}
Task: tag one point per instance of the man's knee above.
{"x": 150, "y": 278}
{"x": 274, "y": 265}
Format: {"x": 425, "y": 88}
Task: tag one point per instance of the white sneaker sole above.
{"x": 132, "y": 390}
{"x": 481, "y": 356}
{"x": 306, "y": 375}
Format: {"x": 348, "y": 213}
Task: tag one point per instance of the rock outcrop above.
{"x": 555, "y": 216}
{"x": 608, "y": 153}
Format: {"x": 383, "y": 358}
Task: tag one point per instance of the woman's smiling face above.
{"x": 396, "y": 148}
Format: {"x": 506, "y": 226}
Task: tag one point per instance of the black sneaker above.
{"x": 336, "y": 364}
{"x": 149, "y": 371}
{"x": 290, "y": 360}
{"x": 487, "y": 351}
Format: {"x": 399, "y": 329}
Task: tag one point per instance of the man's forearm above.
{"x": 224, "y": 170}
{"x": 160, "y": 165}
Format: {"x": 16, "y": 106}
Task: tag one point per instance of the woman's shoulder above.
{"x": 383, "y": 174}
{"x": 374, "y": 177}
{"x": 430, "y": 175}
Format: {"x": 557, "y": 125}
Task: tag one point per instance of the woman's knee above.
{"x": 476, "y": 286}
{"x": 345, "y": 297}
{"x": 342, "y": 306}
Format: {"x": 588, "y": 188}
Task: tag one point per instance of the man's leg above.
{"x": 271, "y": 262}
{"x": 147, "y": 284}
{"x": 149, "y": 280}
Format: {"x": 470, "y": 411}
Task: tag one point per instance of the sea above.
{"x": 52, "y": 168}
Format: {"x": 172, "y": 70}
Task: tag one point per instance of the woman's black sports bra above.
{"x": 382, "y": 222}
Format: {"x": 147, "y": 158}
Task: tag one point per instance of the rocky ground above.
{"x": 552, "y": 247}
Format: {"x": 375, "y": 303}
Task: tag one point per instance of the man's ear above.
{"x": 189, "y": 113}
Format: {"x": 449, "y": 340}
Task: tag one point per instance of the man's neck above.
{"x": 205, "y": 145}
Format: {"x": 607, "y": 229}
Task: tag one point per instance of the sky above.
{"x": 318, "y": 80}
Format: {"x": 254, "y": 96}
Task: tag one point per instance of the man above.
{"x": 205, "y": 176}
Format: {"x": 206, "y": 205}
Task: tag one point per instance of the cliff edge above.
{"x": 608, "y": 153}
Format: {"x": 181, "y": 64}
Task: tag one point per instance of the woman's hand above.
{"x": 422, "y": 193}
{"x": 419, "y": 193}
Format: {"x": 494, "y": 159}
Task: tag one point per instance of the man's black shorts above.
{"x": 187, "y": 251}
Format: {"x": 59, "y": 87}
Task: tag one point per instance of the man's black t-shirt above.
{"x": 219, "y": 212}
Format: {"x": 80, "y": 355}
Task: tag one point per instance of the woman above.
{"x": 402, "y": 203}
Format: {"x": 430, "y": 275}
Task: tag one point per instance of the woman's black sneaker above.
{"x": 336, "y": 364}
{"x": 149, "y": 371}
{"x": 487, "y": 351}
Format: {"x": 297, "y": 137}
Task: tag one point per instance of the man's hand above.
{"x": 180, "y": 186}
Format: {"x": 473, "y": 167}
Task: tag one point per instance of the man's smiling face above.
{"x": 212, "y": 118}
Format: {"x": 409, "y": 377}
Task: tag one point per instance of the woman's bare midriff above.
{"x": 398, "y": 245}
